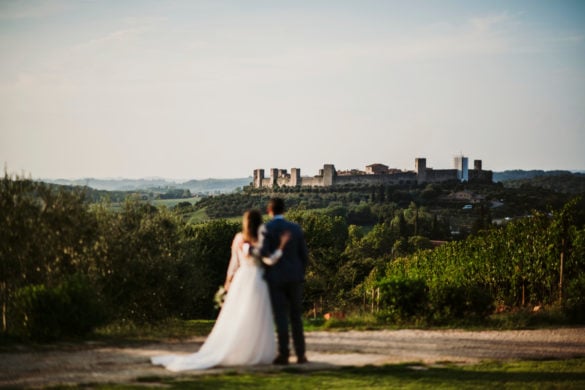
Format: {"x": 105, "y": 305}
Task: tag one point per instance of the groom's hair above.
{"x": 276, "y": 205}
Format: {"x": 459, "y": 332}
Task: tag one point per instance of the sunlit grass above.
{"x": 549, "y": 374}
{"x": 182, "y": 329}
{"x": 197, "y": 216}
{"x": 173, "y": 202}
{"x": 349, "y": 322}
{"x": 169, "y": 329}
{"x": 519, "y": 319}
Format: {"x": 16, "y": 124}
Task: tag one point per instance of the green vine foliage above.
{"x": 513, "y": 266}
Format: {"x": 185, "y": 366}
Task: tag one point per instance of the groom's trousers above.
{"x": 287, "y": 304}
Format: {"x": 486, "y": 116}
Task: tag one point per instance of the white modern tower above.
{"x": 461, "y": 164}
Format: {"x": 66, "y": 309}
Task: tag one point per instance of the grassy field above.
{"x": 172, "y": 328}
{"x": 196, "y": 217}
{"x": 168, "y": 203}
{"x": 180, "y": 329}
{"x": 173, "y": 202}
{"x": 547, "y": 374}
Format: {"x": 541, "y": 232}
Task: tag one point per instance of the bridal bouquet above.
{"x": 219, "y": 297}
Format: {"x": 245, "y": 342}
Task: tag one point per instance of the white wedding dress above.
{"x": 243, "y": 333}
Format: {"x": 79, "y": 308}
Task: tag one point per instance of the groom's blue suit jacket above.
{"x": 293, "y": 263}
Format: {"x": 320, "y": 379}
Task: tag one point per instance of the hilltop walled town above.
{"x": 375, "y": 174}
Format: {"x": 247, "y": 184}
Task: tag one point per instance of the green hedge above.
{"x": 43, "y": 313}
{"x": 574, "y": 306}
{"x": 404, "y": 299}
{"x": 459, "y": 303}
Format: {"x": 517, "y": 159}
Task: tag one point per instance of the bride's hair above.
{"x": 250, "y": 224}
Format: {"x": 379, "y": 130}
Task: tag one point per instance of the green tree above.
{"x": 326, "y": 237}
{"x": 46, "y": 234}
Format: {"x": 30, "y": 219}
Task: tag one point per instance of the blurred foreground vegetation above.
{"x": 69, "y": 264}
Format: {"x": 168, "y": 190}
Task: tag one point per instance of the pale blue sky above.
{"x": 198, "y": 89}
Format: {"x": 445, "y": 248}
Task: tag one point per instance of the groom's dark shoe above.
{"x": 302, "y": 360}
{"x": 280, "y": 360}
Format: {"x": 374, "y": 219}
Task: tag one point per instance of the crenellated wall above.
{"x": 328, "y": 176}
{"x": 403, "y": 178}
{"x": 440, "y": 175}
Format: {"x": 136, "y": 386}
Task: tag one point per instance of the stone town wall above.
{"x": 328, "y": 176}
{"x": 440, "y": 175}
{"x": 316, "y": 181}
{"x": 402, "y": 178}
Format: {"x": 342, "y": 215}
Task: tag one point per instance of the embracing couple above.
{"x": 264, "y": 281}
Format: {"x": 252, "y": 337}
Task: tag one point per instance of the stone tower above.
{"x": 273, "y": 176}
{"x": 329, "y": 174}
{"x": 420, "y": 166}
{"x": 258, "y": 177}
{"x": 295, "y": 177}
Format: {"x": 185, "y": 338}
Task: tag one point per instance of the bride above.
{"x": 243, "y": 333}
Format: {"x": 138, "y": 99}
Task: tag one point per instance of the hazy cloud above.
{"x": 30, "y": 9}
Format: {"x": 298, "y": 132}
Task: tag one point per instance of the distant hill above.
{"x": 113, "y": 184}
{"x": 215, "y": 185}
{"x": 510, "y": 178}
{"x": 195, "y": 186}
{"x": 558, "y": 181}
{"x": 518, "y": 174}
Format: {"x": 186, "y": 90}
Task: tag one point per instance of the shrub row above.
{"x": 70, "y": 309}
{"x": 405, "y": 300}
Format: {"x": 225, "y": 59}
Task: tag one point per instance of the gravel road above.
{"x": 94, "y": 363}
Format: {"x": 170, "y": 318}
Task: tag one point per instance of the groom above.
{"x": 285, "y": 279}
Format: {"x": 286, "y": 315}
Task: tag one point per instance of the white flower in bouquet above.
{"x": 219, "y": 297}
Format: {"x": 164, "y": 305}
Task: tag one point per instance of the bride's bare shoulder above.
{"x": 238, "y": 239}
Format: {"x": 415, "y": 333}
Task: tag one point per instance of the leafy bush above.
{"x": 70, "y": 309}
{"x": 574, "y": 306}
{"x": 456, "y": 302}
{"x": 202, "y": 267}
{"x": 154, "y": 266}
{"x": 402, "y": 298}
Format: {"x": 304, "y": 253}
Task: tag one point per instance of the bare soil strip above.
{"x": 93, "y": 363}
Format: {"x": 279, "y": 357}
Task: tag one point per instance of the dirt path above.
{"x": 91, "y": 363}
